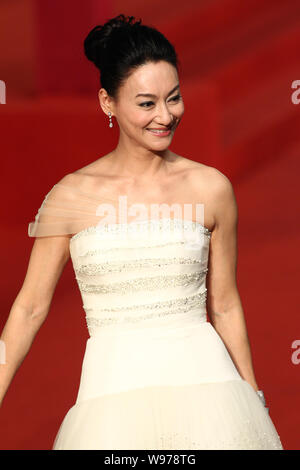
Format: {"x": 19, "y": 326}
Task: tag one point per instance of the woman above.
{"x": 156, "y": 373}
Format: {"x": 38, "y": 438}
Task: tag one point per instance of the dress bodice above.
{"x": 129, "y": 273}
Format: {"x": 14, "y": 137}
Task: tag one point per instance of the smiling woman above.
{"x": 152, "y": 73}
{"x": 135, "y": 116}
{"x": 155, "y": 374}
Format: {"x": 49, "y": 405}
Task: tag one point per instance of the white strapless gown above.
{"x": 155, "y": 374}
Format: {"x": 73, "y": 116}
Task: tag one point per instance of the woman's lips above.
{"x": 159, "y": 132}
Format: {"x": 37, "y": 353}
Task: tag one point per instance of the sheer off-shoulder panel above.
{"x": 68, "y": 210}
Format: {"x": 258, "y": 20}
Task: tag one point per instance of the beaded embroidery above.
{"x": 181, "y": 305}
{"x": 110, "y": 266}
{"x": 153, "y": 224}
{"x": 99, "y": 251}
{"x": 176, "y": 440}
{"x": 191, "y": 301}
{"x": 147, "y": 283}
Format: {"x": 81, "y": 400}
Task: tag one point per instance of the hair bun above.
{"x": 96, "y": 41}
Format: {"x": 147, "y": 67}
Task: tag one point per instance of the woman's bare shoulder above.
{"x": 214, "y": 189}
{"x": 71, "y": 180}
{"x": 209, "y": 177}
{"x": 84, "y": 178}
{"x": 197, "y": 168}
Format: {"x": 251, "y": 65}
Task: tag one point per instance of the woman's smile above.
{"x": 159, "y": 132}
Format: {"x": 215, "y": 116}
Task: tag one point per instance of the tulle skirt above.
{"x": 164, "y": 384}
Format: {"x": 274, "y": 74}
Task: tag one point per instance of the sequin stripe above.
{"x": 247, "y": 441}
{"x": 117, "y": 266}
{"x": 99, "y": 251}
{"x": 181, "y": 302}
{"x": 147, "y": 283}
{"x": 178, "y": 306}
{"x": 161, "y": 224}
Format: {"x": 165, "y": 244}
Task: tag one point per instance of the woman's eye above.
{"x": 175, "y": 98}
{"x": 147, "y": 102}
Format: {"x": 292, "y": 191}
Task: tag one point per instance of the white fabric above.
{"x": 155, "y": 374}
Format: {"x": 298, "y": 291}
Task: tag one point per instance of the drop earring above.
{"x": 110, "y": 121}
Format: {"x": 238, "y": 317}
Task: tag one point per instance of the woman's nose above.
{"x": 164, "y": 116}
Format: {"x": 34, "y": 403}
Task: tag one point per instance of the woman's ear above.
{"x": 105, "y": 101}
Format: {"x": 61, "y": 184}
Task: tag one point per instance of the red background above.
{"x": 238, "y": 62}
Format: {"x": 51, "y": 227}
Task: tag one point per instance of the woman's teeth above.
{"x": 159, "y": 131}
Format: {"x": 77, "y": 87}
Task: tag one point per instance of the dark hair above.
{"x": 121, "y": 45}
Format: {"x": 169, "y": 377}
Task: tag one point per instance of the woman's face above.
{"x": 163, "y": 108}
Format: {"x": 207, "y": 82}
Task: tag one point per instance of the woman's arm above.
{"x": 48, "y": 257}
{"x": 224, "y": 305}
